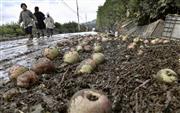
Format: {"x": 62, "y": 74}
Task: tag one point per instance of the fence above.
{"x": 172, "y": 26}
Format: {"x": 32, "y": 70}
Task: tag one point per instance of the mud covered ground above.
{"x": 125, "y": 77}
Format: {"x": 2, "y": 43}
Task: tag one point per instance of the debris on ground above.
{"x": 126, "y": 77}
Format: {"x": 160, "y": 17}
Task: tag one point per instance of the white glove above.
{"x": 21, "y": 24}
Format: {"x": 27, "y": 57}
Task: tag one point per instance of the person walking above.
{"x": 49, "y": 25}
{"x": 26, "y": 17}
{"x": 40, "y": 25}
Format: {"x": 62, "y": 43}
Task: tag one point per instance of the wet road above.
{"x": 24, "y": 52}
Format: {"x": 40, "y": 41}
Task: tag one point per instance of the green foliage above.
{"x": 14, "y": 30}
{"x": 110, "y": 13}
{"x": 58, "y": 27}
{"x": 177, "y": 3}
{"x": 11, "y": 30}
{"x": 144, "y": 11}
{"x": 70, "y": 27}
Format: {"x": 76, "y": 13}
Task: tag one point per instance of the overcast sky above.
{"x": 61, "y": 11}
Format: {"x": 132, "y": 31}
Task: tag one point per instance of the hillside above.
{"x": 90, "y": 24}
{"x": 144, "y": 11}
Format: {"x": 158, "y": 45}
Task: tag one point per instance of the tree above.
{"x": 144, "y": 11}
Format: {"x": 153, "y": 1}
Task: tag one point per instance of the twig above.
{"x": 144, "y": 83}
{"x": 20, "y": 111}
{"x": 136, "y": 106}
{"x": 63, "y": 76}
{"x": 134, "y": 69}
{"x": 168, "y": 96}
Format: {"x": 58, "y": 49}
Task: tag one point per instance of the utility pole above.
{"x": 79, "y": 28}
{"x": 86, "y": 22}
{"x": 86, "y": 17}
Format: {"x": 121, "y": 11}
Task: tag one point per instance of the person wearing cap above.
{"x": 40, "y": 26}
{"x": 49, "y": 25}
{"x": 26, "y": 17}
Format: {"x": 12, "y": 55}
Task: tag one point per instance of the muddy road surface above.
{"x": 25, "y": 52}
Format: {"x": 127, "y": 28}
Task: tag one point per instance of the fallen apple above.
{"x": 166, "y": 76}
{"x": 89, "y": 101}
{"x": 124, "y": 38}
{"x": 17, "y": 70}
{"x": 79, "y": 48}
{"x": 97, "y": 47}
{"x": 51, "y": 53}
{"x": 27, "y": 79}
{"x": 104, "y": 39}
{"x": 86, "y": 66}
{"x": 154, "y": 41}
{"x": 166, "y": 41}
{"x": 43, "y": 65}
{"x": 136, "y": 40}
{"x": 98, "y": 58}
{"x": 140, "y": 52}
{"x": 146, "y": 41}
{"x": 87, "y": 48}
{"x": 132, "y": 45}
{"x": 71, "y": 57}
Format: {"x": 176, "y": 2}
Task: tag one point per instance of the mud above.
{"x": 125, "y": 77}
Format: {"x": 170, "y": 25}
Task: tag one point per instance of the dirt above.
{"x": 125, "y": 77}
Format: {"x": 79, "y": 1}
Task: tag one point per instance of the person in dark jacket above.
{"x": 40, "y": 26}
